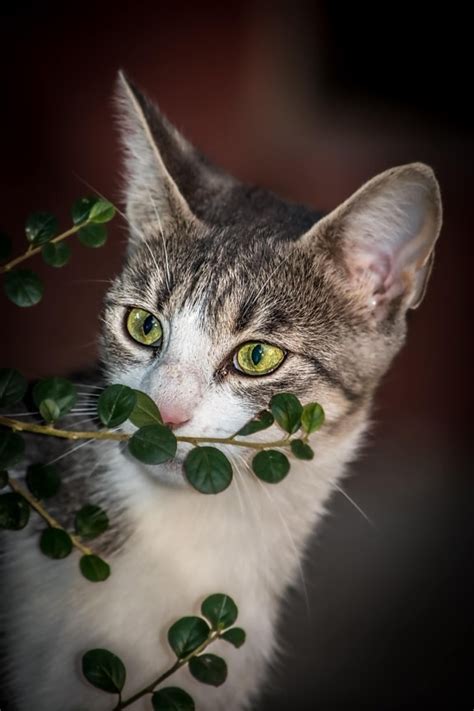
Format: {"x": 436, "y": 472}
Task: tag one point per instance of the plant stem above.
{"x": 38, "y": 507}
{"x": 18, "y": 426}
{"x": 177, "y": 665}
{"x": 31, "y": 251}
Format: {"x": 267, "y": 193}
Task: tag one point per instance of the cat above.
{"x": 218, "y": 264}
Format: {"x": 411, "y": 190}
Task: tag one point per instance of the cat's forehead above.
{"x": 236, "y": 281}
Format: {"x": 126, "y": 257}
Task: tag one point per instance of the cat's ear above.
{"x": 384, "y": 237}
{"x": 154, "y": 157}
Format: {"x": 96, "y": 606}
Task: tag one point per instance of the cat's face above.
{"x": 249, "y": 296}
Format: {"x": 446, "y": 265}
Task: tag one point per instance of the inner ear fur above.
{"x": 384, "y": 236}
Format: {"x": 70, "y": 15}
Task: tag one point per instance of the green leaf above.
{"x": 262, "y": 421}
{"x": 235, "y": 636}
{"x": 301, "y": 450}
{"x": 41, "y": 227}
{"x": 153, "y": 444}
{"x": 209, "y": 669}
{"x": 172, "y": 699}
{"x": 312, "y": 417}
{"x": 12, "y": 387}
{"x": 14, "y": 511}
{"x": 187, "y": 634}
{"x": 49, "y": 410}
{"x": 91, "y": 521}
{"x": 81, "y": 209}
{"x": 61, "y": 391}
{"x": 12, "y": 447}
{"x": 271, "y": 466}
{"x": 208, "y": 470}
{"x": 104, "y": 670}
{"x": 94, "y": 568}
{"x": 287, "y": 409}
{"x": 145, "y": 411}
{"x": 102, "y": 211}
{"x": 220, "y": 610}
{"x": 5, "y": 246}
{"x": 56, "y": 254}
{"x": 3, "y": 479}
{"x": 43, "y": 480}
{"x": 115, "y": 404}
{"x": 93, "y": 235}
{"x": 55, "y": 543}
{"x": 23, "y": 287}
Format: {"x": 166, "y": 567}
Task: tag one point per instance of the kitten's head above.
{"x": 247, "y": 296}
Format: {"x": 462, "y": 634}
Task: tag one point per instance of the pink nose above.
{"x": 174, "y": 416}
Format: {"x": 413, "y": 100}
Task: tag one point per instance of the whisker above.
{"x": 356, "y": 506}
{"x": 19, "y": 414}
{"x": 165, "y": 251}
{"x": 70, "y": 451}
{"x": 272, "y": 274}
{"x": 87, "y": 385}
{"x": 274, "y": 504}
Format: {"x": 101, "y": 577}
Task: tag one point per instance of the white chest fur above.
{"x": 246, "y": 542}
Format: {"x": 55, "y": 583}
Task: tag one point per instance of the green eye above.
{"x": 258, "y": 358}
{"x": 144, "y": 327}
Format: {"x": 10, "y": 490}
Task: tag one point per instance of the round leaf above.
{"x": 270, "y": 466}
{"x": 187, "y": 634}
{"x": 3, "y": 479}
{"x": 172, "y": 699}
{"x": 104, "y": 670}
{"x": 82, "y": 208}
{"x": 209, "y": 669}
{"x": 59, "y": 390}
{"x": 14, "y": 511}
{"x": 301, "y": 450}
{"x": 220, "y": 610}
{"x": 93, "y": 235}
{"x": 12, "y": 447}
{"x": 115, "y": 404}
{"x": 102, "y": 211}
{"x": 262, "y": 421}
{"x": 208, "y": 470}
{"x": 235, "y": 636}
{"x": 287, "y": 409}
{"x": 145, "y": 411}
{"x": 43, "y": 480}
{"x": 94, "y": 568}
{"x": 153, "y": 444}
{"x": 23, "y": 287}
{"x": 12, "y": 387}
{"x": 5, "y": 246}
{"x": 49, "y": 410}
{"x": 55, "y": 543}
{"x": 56, "y": 254}
{"x": 41, "y": 227}
{"x": 312, "y": 417}
{"x": 91, "y": 521}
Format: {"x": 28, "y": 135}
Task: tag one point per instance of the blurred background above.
{"x": 309, "y": 100}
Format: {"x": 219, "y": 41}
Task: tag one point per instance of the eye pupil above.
{"x": 257, "y": 354}
{"x": 148, "y": 324}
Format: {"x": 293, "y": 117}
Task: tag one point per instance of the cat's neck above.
{"x": 261, "y": 528}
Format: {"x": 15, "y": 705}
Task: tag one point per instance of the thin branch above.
{"x": 50, "y": 520}
{"x": 177, "y": 665}
{"x": 31, "y": 251}
{"x": 18, "y": 426}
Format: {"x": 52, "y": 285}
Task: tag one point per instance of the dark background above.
{"x": 309, "y": 100}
